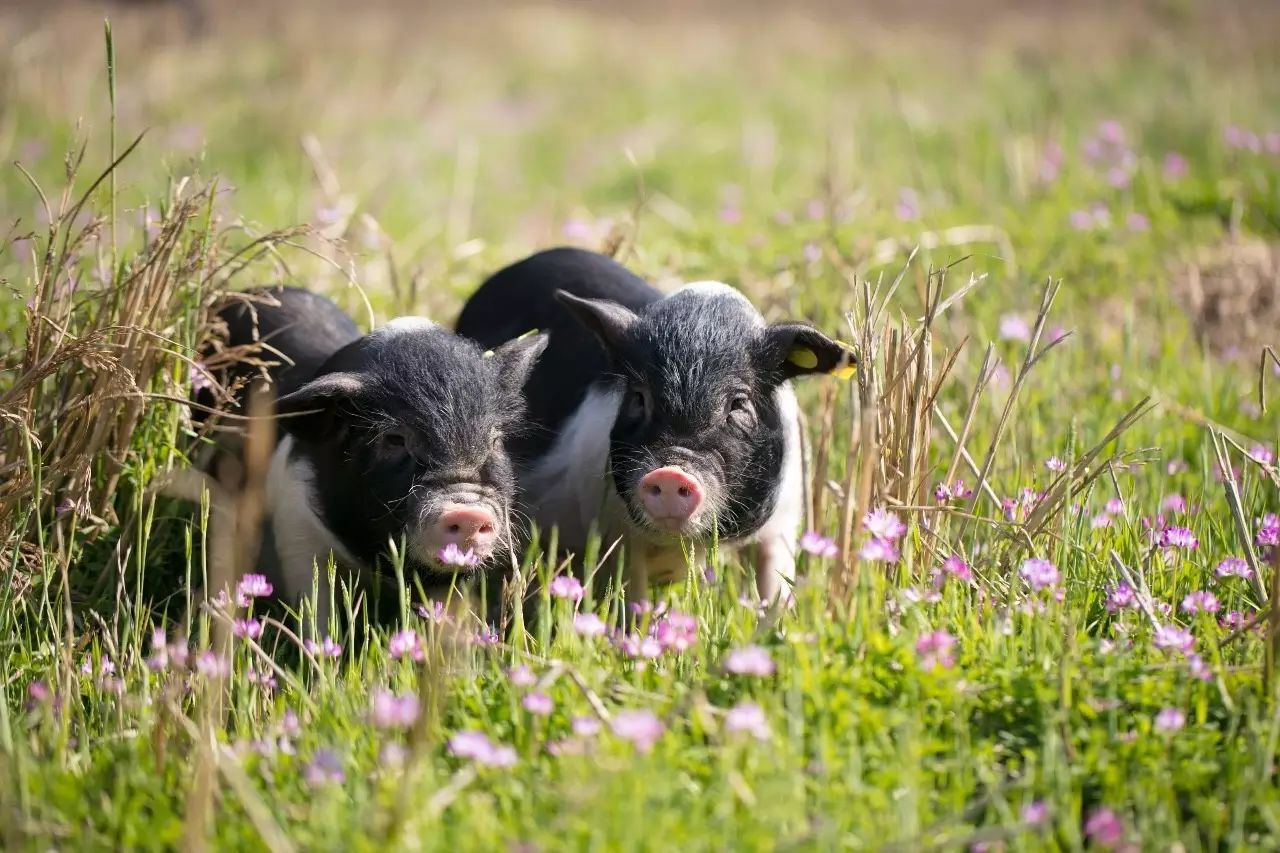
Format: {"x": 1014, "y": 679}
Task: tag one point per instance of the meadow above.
{"x": 1033, "y": 610}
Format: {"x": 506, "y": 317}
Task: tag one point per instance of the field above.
{"x": 1054, "y": 235}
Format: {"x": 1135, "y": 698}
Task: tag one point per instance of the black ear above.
{"x": 312, "y": 412}
{"x": 608, "y": 320}
{"x": 794, "y": 349}
{"x": 516, "y": 359}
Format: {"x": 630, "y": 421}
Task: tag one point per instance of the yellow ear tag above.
{"x": 848, "y": 364}
{"x": 489, "y": 353}
{"x": 803, "y": 357}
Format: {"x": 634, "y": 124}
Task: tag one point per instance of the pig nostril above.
{"x": 453, "y": 528}
{"x": 653, "y": 489}
{"x": 684, "y": 491}
{"x": 486, "y": 528}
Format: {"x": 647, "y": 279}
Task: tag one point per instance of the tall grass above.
{"x": 1032, "y": 662}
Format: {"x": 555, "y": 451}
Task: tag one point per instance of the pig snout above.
{"x": 671, "y": 497}
{"x": 470, "y": 528}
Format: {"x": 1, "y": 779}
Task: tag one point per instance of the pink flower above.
{"x": 1262, "y": 454}
{"x": 1178, "y": 537}
{"x": 325, "y": 769}
{"x": 1233, "y": 567}
{"x": 750, "y": 660}
{"x": 1114, "y": 506}
{"x": 1198, "y": 668}
{"x": 1035, "y": 813}
{"x": 452, "y": 555}
{"x": 254, "y": 586}
{"x": 1104, "y": 828}
{"x": 676, "y": 632}
{"x": 879, "y": 551}
{"x": 1055, "y": 464}
{"x": 818, "y": 545}
{"x": 957, "y": 568}
{"x": 393, "y": 712}
{"x": 935, "y": 650}
{"x": 211, "y": 665}
{"x": 1099, "y": 521}
{"x": 1175, "y": 166}
{"x": 250, "y": 629}
{"x": 1171, "y": 638}
{"x": 1039, "y": 574}
{"x": 747, "y": 718}
{"x": 1269, "y": 530}
{"x": 1137, "y": 222}
{"x": 1014, "y": 327}
{"x": 1080, "y": 220}
{"x": 908, "y": 206}
{"x": 1201, "y": 601}
{"x": 1170, "y": 720}
{"x": 641, "y": 728}
{"x": 433, "y": 611}
{"x": 476, "y": 746}
{"x": 328, "y": 648}
{"x": 1174, "y": 503}
{"x": 585, "y": 726}
{"x": 566, "y": 586}
{"x": 1232, "y": 620}
{"x": 1122, "y": 597}
{"x": 521, "y": 676}
{"x": 538, "y": 704}
{"x": 884, "y": 524}
{"x": 406, "y": 644}
{"x": 588, "y": 625}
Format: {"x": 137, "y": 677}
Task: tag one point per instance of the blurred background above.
{"x": 1104, "y": 143}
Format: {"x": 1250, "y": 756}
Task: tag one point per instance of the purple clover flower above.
{"x": 589, "y": 625}
{"x": 566, "y": 587}
{"x": 249, "y": 629}
{"x": 254, "y": 586}
{"x": 521, "y": 676}
{"x": 879, "y": 550}
{"x": 1201, "y": 601}
{"x": 452, "y": 555}
{"x": 1014, "y": 327}
{"x": 956, "y": 567}
{"x": 748, "y": 718}
{"x": 325, "y": 769}
{"x": 1233, "y": 567}
{"x": 1039, "y": 574}
{"x": 328, "y": 648}
{"x": 1171, "y": 638}
{"x": 935, "y": 650}
{"x": 676, "y": 632}
{"x": 390, "y": 711}
{"x": 1121, "y": 597}
{"x": 1170, "y": 720}
{"x": 1104, "y": 828}
{"x": 642, "y": 728}
{"x": 818, "y": 545}
{"x": 883, "y": 524}
{"x": 476, "y": 747}
{"x": 750, "y": 660}
{"x": 1178, "y": 537}
{"x": 406, "y": 643}
{"x": 538, "y": 704}
{"x": 1269, "y": 530}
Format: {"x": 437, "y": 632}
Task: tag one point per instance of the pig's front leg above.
{"x": 776, "y": 569}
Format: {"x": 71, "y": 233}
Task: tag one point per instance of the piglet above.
{"x": 659, "y": 421}
{"x": 392, "y": 439}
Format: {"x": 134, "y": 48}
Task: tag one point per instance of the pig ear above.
{"x": 608, "y": 320}
{"x": 516, "y": 359}
{"x": 795, "y": 349}
{"x": 312, "y": 412}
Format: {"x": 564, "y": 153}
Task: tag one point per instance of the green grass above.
{"x": 770, "y": 153}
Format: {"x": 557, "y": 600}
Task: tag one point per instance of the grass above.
{"x": 804, "y": 159}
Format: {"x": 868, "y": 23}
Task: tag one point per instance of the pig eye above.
{"x": 495, "y": 439}
{"x": 394, "y": 442}
{"x": 635, "y": 406}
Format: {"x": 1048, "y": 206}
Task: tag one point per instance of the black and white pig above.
{"x": 396, "y": 436}
{"x": 658, "y": 420}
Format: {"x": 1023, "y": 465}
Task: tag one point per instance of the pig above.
{"x": 392, "y": 439}
{"x": 657, "y": 422}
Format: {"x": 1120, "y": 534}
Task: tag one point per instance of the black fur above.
{"x": 698, "y": 376}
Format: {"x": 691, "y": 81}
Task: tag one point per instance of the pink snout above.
{"x": 471, "y": 529}
{"x": 670, "y": 496}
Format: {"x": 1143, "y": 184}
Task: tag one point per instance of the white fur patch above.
{"x": 779, "y": 535}
{"x": 568, "y": 487}
{"x": 717, "y": 290}
{"x": 302, "y": 540}
{"x": 406, "y": 326}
